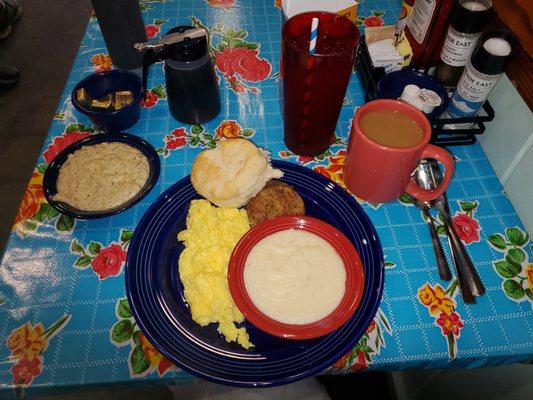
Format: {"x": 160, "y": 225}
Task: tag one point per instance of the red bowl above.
{"x": 354, "y": 278}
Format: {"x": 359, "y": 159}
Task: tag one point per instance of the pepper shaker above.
{"x": 468, "y": 21}
{"x": 484, "y": 69}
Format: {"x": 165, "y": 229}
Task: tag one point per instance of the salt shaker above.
{"x": 485, "y": 68}
{"x": 467, "y": 23}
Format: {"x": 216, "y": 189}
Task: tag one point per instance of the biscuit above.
{"x": 232, "y": 173}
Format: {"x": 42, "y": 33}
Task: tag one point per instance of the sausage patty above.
{"x": 276, "y": 199}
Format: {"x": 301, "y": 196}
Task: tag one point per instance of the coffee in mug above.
{"x": 391, "y": 128}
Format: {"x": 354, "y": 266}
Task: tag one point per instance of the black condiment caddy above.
{"x": 441, "y": 136}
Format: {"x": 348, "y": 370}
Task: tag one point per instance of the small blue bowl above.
{"x": 391, "y": 86}
{"x": 102, "y": 83}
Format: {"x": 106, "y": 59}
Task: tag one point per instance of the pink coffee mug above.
{"x": 379, "y": 173}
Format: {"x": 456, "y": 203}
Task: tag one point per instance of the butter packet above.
{"x": 123, "y": 98}
{"x": 104, "y": 103}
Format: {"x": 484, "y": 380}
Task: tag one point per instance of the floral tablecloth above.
{"x": 64, "y": 316}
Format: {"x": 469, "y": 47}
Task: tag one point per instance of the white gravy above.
{"x": 295, "y": 277}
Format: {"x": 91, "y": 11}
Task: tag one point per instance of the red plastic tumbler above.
{"x": 314, "y": 84}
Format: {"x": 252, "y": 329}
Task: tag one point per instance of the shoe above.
{"x": 10, "y": 12}
{"x": 9, "y": 76}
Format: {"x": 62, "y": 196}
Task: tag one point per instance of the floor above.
{"x": 321, "y": 388}
{"x": 43, "y": 47}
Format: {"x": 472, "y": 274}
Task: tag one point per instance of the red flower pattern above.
{"x": 163, "y": 366}
{"x": 176, "y": 143}
{"x": 26, "y": 344}
{"x": 221, "y": 3}
{"x": 176, "y": 139}
{"x": 102, "y": 62}
{"x": 360, "y": 363}
{"x": 335, "y": 169}
{"x": 466, "y": 227}
{"x": 450, "y": 323}
{"x": 238, "y": 87}
{"x": 152, "y": 31}
{"x": 60, "y": 142}
{"x": 373, "y": 21}
{"x": 25, "y": 370}
{"x": 228, "y": 129}
{"x": 243, "y": 62}
{"x": 109, "y": 261}
{"x": 149, "y": 100}
{"x": 179, "y": 132}
{"x": 305, "y": 159}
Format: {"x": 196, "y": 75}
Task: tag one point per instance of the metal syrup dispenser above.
{"x": 191, "y": 84}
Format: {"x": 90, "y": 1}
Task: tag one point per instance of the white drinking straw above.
{"x": 314, "y": 31}
{"x": 309, "y": 76}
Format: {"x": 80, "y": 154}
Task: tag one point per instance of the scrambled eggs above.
{"x": 209, "y": 239}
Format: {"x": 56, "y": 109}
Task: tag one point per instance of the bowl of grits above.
{"x": 101, "y": 175}
{"x": 296, "y": 277}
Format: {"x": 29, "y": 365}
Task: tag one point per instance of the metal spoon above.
{"x": 464, "y": 286}
{"x": 424, "y": 181}
{"x": 456, "y": 245}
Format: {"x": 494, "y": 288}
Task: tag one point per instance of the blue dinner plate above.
{"x": 156, "y": 294}
{"x": 52, "y": 173}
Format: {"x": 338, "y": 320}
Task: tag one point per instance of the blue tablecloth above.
{"x": 62, "y": 294}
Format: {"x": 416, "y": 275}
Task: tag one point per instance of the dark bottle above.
{"x": 425, "y": 30}
{"x": 191, "y": 84}
{"x": 468, "y": 21}
{"x": 122, "y": 26}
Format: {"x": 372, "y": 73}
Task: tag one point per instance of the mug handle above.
{"x": 445, "y": 158}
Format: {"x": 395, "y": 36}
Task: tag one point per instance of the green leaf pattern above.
{"x": 138, "y": 361}
{"x": 517, "y": 237}
{"x": 122, "y": 331}
{"x": 369, "y": 345}
{"x": 197, "y": 136}
{"x": 46, "y": 213}
{"x": 123, "y": 309}
{"x": 125, "y": 332}
{"x": 514, "y": 268}
{"x": 497, "y": 240}
{"x": 160, "y": 91}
